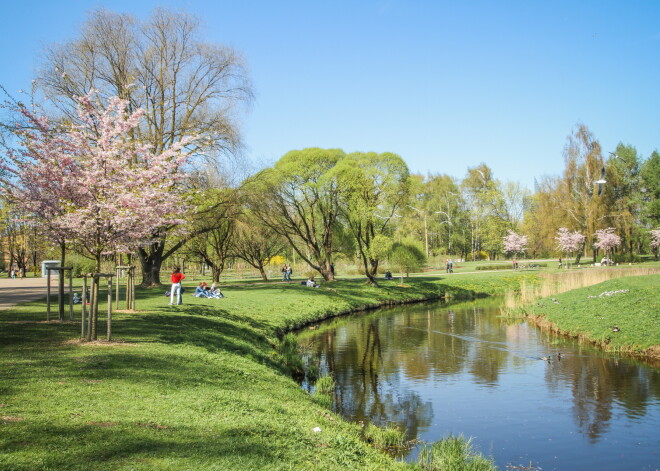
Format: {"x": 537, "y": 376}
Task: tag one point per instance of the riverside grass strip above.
{"x": 619, "y": 315}
{"x": 196, "y": 386}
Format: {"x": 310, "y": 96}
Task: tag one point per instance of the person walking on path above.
{"x": 289, "y": 270}
{"x": 177, "y": 277}
{"x": 285, "y": 272}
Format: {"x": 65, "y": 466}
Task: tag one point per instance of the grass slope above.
{"x": 633, "y": 307}
{"x": 186, "y": 387}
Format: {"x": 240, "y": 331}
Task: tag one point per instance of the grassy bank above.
{"x": 621, "y": 315}
{"x": 194, "y": 387}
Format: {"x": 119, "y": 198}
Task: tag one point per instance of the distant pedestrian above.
{"x": 289, "y": 271}
{"x": 177, "y": 277}
{"x": 447, "y": 265}
{"x": 451, "y": 266}
{"x": 560, "y": 264}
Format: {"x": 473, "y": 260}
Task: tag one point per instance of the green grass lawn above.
{"x": 197, "y": 386}
{"x": 633, "y": 307}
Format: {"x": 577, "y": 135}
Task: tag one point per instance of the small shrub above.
{"x": 626, "y": 258}
{"x": 312, "y": 373}
{"x": 389, "y": 437}
{"x": 481, "y": 255}
{"x": 325, "y": 386}
{"x": 80, "y": 265}
{"x": 507, "y": 266}
{"x": 323, "y": 400}
{"x": 453, "y": 452}
{"x": 289, "y": 354}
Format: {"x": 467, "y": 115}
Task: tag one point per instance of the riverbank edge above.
{"x": 541, "y": 320}
{"x": 650, "y": 354}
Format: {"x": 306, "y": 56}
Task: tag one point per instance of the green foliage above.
{"x": 325, "y": 386}
{"x": 626, "y": 258}
{"x": 453, "y": 453}
{"x": 80, "y": 264}
{"x": 388, "y": 438}
{"x": 380, "y": 247}
{"x": 407, "y": 257}
{"x": 505, "y": 266}
{"x": 480, "y": 255}
{"x": 289, "y": 354}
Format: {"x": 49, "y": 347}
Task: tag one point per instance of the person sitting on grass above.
{"x": 215, "y": 291}
{"x": 311, "y": 283}
{"x": 388, "y": 275}
{"x": 200, "y": 291}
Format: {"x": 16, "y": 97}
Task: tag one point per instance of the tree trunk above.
{"x": 151, "y": 262}
{"x": 215, "y": 273}
{"x": 263, "y": 273}
{"x": 60, "y": 284}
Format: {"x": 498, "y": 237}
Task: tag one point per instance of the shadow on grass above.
{"x": 134, "y": 446}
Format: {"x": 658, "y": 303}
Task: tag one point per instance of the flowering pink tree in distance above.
{"x": 515, "y": 243}
{"x": 655, "y": 241}
{"x": 607, "y": 239}
{"x": 569, "y": 242}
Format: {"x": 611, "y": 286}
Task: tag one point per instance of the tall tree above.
{"x": 373, "y": 186}
{"x": 486, "y": 208}
{"x": 575, "y": 196}
{"x": 650, "y": 174}
{"x": 255, "y": 244}
{"x": 298, "y": 198}
{"x": 92, "y": 184}
{"x": 623, "y": 197}
{"x": 185, "y": 86}
{"x": 214, "y": 226}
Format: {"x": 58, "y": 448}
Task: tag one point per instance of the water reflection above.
{"x": 436, "y": 369}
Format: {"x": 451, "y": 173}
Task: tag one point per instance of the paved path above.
{"x": 20, "y": 290}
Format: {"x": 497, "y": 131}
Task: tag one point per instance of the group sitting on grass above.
{"x": 205, "y": 291}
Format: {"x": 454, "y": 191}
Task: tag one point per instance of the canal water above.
{"x": 437, "y": 369}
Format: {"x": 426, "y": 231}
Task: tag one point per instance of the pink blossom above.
{"x": 607, "y": 239}
{"x": 93, "y": 185}
{"x": 655, "y": 238}
{"x": 514, "y": 243}
{"x": 569, "y": 241}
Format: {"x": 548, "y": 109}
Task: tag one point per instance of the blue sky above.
{"x": 446, "y": 85}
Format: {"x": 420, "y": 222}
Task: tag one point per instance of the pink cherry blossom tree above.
{"x": 93, "y": 185}
{"x": 655, "y": 241}
{"x": 515, "y": 243}
{"x": 569, "y": 242}
{"x": 607, "y": 239}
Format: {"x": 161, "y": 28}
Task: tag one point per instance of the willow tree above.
{"x": 185, "y": 86}
{"x": 373, "y": 186}
{"x": 298, "y": 199}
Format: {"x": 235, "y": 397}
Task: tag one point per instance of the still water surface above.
{"x": 436, "y": 369}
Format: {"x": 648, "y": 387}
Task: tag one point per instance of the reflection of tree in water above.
{"x": 601, "y": 384}
{"x": 373, "y": 356}
{"x": 365, "y": 391}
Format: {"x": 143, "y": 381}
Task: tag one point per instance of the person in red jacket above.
{"x": 177, "y": 276}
